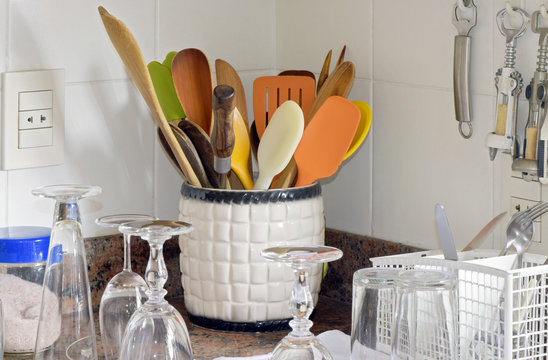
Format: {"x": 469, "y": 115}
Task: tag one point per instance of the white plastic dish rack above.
{"x": 493, "y": 300}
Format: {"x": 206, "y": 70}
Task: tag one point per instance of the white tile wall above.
{"x": 403, "y": 52}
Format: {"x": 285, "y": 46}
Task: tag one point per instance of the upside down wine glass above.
{"x": 156, "y": 330}
{"x": 124, "y": 293}
{"x": 300, "y": 343}
{"x": 66, "y": 318}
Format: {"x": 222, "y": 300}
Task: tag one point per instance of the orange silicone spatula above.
{"x": 269, "y": 92}
{"x": 326, "y": 140}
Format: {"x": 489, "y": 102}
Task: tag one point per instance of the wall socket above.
{"x": 33, "y": 119}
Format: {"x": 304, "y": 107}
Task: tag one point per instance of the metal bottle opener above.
{"x": 509, "y": 83}
{"x": 464, "y": 21}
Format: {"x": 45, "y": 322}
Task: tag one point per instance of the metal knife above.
{"x": 444, "y": 233}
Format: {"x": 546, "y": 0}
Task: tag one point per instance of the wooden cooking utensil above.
{"x": 160, "y": 73}
{"x": 325, "y": 71}
{"x": 338, "y": 83}
{"x": 279, "y": 142}
{"x": 191, "y": 154}
{"x": 202, "y": 143}
{"x": 254, "y": 139}
{"x": 133, "y": 59}
{"x": 363, "y": 127}
{"x": 240, "y": 155}
{"x": 222, "y": 136}
{"x": 341, "y": 56}
{"x": 269, "y": 92}
{"x": 193, "y": 84}
{"x": 227, "y": 75}
{"x": 169, "y": 153}
{"x": 325, "y": 142}
{"x": 298, "y": 73}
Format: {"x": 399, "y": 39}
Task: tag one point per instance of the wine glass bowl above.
{"x": 156, "y": 330}
{"x": 124, "y": 293}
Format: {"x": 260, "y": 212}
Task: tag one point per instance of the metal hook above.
{"x": 465, "y": 134}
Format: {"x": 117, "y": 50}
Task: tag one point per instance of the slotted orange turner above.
{"x": 326, "y": 140}
{"x": 269, "y": 92}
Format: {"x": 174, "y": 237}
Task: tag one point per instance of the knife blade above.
{"x": 444, "y": 233}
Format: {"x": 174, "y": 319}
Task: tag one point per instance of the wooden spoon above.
{"x": 338, "y": 83}
{"x": 325, "y": 71}
{"x": 254, "y": 139}
{"x": 222, "y": 136}
{"x": 133, "y": 59}
{"x": 191, "y": 154}
{"x": 363, "y": 127}
{"x": 226, "y": 75}
{"x": 193, "y": 83}
{"x": 298, "y": 73}
{"x": 279, "y": 142}
{"x": 202, "y": 143}
{"x": 325, "y": 142}
{"x": 168, "y": 152}
{"x": 341, "y": 56}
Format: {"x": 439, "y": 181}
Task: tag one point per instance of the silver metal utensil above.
{"x": 444, "y": 233}
{"x": 464, "y": 19}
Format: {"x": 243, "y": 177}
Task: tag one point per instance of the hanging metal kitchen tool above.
{"x": 542, "y": 150}
{"x": 536, "y": 92}
{"x": 509, "y": 83}
{"x": 464, "y": 19}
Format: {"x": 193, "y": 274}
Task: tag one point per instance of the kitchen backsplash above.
{"x": 413, "y": 158}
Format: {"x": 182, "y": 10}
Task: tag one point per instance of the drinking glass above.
{"x": 426, "y": 315}
{"x": 156, "y": 330}
{"x": 373, "y": 305}
{"x": 300, "y": 343}
{"x": 66, "y": 316}
{"x": 124, "y": 293}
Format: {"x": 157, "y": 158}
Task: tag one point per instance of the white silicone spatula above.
{"x": 279, "y": 141}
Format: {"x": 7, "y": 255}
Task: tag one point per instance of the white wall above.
{"x": 403, "y": 52}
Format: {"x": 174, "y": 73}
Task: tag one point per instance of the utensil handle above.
{"x": 461, "y": 79}
{"x": 222, "y": 137}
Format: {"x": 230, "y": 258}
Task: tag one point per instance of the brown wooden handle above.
{"x": 222, "y": 137}
{"x": 500, "y": 128}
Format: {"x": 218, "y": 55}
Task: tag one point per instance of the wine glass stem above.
{"x": 301, "y": 303}
{"x": 66, "y": 210}
{"x": 156, "y": 273}
{"x": 127, "y": 252}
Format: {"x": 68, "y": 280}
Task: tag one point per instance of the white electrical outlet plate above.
{"x": 33, "y": 119}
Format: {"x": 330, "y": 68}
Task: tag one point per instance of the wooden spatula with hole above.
{"x": 133, "y": 59}
{"x": 325, "y": 140}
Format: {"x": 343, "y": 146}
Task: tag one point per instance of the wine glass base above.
{"x": 305, "y": 348}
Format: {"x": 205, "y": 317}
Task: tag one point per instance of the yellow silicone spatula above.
{"x": 363, "y": 127}
{"x": 325, "y": 142}
{"x": 240, "y": 154}
{"x": 279, "y": 141}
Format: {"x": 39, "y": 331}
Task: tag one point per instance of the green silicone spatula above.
{"x": 279, "y": 141}
{"x": 165, "y": 90}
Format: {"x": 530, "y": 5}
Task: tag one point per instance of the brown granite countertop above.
{"x": 209, "y": 344}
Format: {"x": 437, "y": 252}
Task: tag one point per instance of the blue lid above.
{"x": 24, "y": 244}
